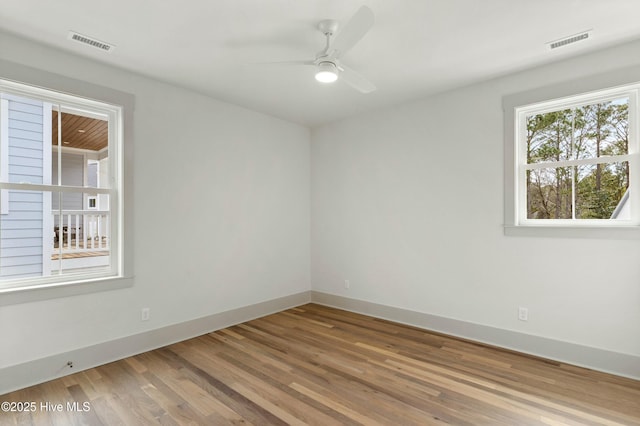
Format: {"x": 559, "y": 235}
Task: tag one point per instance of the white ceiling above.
{"x": 416, "y": 47}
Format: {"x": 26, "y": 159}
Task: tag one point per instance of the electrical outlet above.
{"x": 347, "y": 284}
{"x": 144, "y": 314}
{"x": 523, "y": 314}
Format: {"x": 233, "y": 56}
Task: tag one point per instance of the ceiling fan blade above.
{"x": 359, "y": 24}
{"x": 355, "y": 80}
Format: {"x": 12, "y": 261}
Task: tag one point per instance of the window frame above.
{"x": 521, "y": 113}
{"x": 565, "y": 95}
{"x": 39, "y": 84}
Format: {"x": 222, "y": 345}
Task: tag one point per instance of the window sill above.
{"x": 26, "y": 294}
{"x": 602, "y": 232}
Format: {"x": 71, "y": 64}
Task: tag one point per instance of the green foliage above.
{"x": 594, "y": 204}
{"x": 585, "y": 132}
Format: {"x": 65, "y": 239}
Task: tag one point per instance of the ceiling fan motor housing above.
{"x": 327, "y": 72}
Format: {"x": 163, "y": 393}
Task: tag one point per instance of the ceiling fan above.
{"x": 327, "y": 62}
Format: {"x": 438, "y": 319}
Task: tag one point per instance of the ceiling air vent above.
{"x": 91, "y": 41}
{"x": 569, "y": 40}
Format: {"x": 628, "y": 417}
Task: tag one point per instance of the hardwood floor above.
{"x": 318, "y": 365}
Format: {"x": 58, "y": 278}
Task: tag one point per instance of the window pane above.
{"x": 600, "y": 191}
{"x": 590, "y": 131}
{"x": 37, "y": 240}
{"x": 601, "y": 129}
{"x": 23, "y": 231}
{"x": 82, "y": 235}
{"x": 549, "y": 193}
{"x": 24, "y": 153}
{"x": 549, "y": 136}
{"x": 79, "y": 150}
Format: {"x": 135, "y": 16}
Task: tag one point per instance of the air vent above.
{"x": 90, "y": 41}
{"x": 569, "y": 40}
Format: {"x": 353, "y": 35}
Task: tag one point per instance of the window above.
{"x": 575, "y": 159}
{"x": 92, "y": 203}
{"x": 60, "y": 188}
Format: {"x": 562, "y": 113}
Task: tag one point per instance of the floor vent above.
{"x": 106, "y": 47}
{"x": 569, "y": 40}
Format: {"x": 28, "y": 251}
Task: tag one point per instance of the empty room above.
{"x": 320, "y": 212}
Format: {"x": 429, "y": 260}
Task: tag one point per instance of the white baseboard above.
{"x": 569, "y": 353}
{"x": 41, "y": 370}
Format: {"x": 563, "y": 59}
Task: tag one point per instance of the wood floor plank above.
{"x": 279, "y": 376}
{"x": 315, "y": 365}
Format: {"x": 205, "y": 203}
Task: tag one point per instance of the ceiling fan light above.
{"x": 327, "y": 72}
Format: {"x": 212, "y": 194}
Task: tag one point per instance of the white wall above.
{"x": 407, "y": 204}
{"x": 221, "y": 215}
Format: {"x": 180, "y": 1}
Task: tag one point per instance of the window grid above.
{"x": 111, "y": 189}
{"x": 523, "y": 166}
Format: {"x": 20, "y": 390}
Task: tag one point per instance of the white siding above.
{"x": 72, "y": 174}
{"x": 92, "y": 175}
{"x": 21, "y": 230}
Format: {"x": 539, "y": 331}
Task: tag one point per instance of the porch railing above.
{"x": 77, "y": 231}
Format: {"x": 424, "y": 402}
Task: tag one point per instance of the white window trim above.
{"x": 615, "y": 81}
{"x": 21, "y": 74}
{"x": 4, "y": 154}
{"x": 47, "y": 220}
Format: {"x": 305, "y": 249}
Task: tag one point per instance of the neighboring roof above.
{"x": 80, "y": 132}
{"x": 622, "y": 206}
